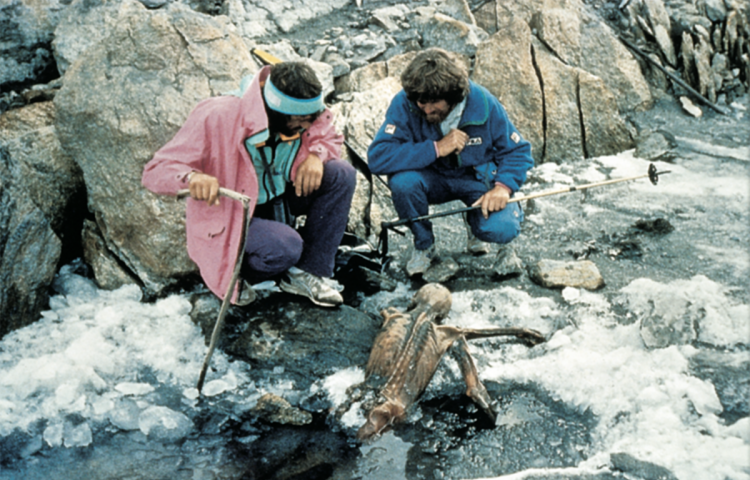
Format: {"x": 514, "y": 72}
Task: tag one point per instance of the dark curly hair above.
{"x": 433, "y": 75}
{"x": 296, "y": 79}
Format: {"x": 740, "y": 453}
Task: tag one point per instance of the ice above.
{"x": 720, "y": 321}
{"x": 337, "y": 383}
{"x": 353, "y": 418}
{"x": 647, "y": 403}
{"x": 130, "y": 388}
{"x": 164, "y": 424}
{"x": 89, "y": 351}
{"x": 219, "y": 386}
{"x": 77, "y": 435}
{"x": 125, "y": 414}
{"x": 53, "y": 434}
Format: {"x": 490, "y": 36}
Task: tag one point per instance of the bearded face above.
{"x": 435, "y": 111}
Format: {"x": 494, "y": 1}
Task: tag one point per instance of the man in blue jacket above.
{"x": 446, "y": 138}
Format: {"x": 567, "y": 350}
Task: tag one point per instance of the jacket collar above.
{"x": 253, "y": 114}
{"x": 477, "y": 109}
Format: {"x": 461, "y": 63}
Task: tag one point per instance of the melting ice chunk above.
{"x": 53, "y": 434}
{"x": 164, "y": 424}
{"x": 77, "y": 435}
{"x": 125, "y": 414}
{"x": 129, "y": 388}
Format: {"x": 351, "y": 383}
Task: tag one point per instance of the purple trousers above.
{"x": 273, "y": 247}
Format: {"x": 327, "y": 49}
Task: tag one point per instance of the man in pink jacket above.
{"x": 274, "y": 142}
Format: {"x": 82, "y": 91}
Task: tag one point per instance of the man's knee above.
{"x": 406, "y": 183}
{"x": 341, "y": 173}
{"x": 277, "y": 256}
{"x": 501, "y": 227}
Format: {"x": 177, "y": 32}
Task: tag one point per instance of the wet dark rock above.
{"x": 729, "y": 372}
{"x": 17, "y": 445}
{"x": 307, "y": 342}
{"x": 642, "y": 470}
{"x": 657, "y": 225}
{"x": 455, "y": 434}
{"x": 29, "y": 252}
{"x": 289, "y": 453}
{"x": 441, "y": 271}
{"x": 273, "y": 408}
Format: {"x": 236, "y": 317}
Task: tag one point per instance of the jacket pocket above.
{"x": 486, "y": 173}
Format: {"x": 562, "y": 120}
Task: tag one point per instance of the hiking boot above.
{"x": 420, "y": 261}
{"x": 299, "y": 282}
{"x": 473, "y": 244}
{"x": 247, "y": 294}
{"x": 507, "y": 262}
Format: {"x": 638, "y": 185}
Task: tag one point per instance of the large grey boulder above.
{"x": 605, "y": 131}
{"x": 27, "y": 28}
{"x": 83, "y": 24}
{"x": 451, "y": 34}
{"x": 122, "y": 100}
{"x": 359, "y": 120}
{"x": 505, "y": 66}
{"x": 29, "y": 252}
{"x": 38, "y": 165}
{"x": 563, "y": 138}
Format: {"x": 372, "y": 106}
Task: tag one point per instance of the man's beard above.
{"x": 436, "y": 117}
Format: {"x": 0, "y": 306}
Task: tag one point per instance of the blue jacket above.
{"x": 495, "y": 149}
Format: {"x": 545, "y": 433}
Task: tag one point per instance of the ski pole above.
{"x": 652, "y": 175}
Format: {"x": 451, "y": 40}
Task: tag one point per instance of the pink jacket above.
{"x": 212, "y": 141}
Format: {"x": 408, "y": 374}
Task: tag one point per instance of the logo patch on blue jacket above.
{"x": 515, "y": 137}
{"x": 474, "y": 141}
{"x": 390, "y": 129}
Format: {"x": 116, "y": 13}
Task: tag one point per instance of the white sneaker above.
{"x": 299, "y": 282}
{"x": 420, "y": 261}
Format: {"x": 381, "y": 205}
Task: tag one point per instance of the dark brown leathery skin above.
{"x": 409, "y": 348}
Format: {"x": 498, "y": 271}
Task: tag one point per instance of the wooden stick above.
{"x": 224, "y": 192}
{"x": 232, "y": 283}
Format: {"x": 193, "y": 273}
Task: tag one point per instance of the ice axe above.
{"x": 652, "y": 175}
{"x": 235, "y": 275}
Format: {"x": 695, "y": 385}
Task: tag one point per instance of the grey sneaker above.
{"x": 473, "y": 244}
{"x": 420, "y": 261}
{"x": 247, "y": 294}
{"x": 507, "y": 262}
{"x": 476, "y": 246}
{"x": 299, "y": 282}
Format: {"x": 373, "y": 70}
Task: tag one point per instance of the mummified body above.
{"x": 407, "y": 352}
